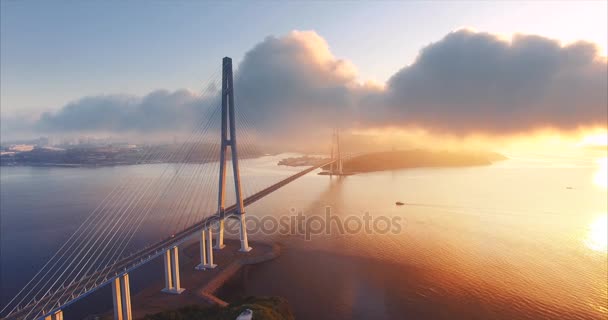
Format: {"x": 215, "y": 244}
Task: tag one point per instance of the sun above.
{"x": 601, "y": 175}
{"x": 595, "y": 139}
{"x": 597, "y": 236}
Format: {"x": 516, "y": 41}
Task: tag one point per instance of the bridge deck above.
{"x": 83, "y": 287}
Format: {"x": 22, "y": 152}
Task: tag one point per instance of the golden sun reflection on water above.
{"x": 601, "y": 175}
{"x": 597, "y": 235}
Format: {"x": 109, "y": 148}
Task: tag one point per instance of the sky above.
{"x": 55, "y": 53}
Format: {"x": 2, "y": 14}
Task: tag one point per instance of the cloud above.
{"x": 467, "y": 82}
{"x": 292, "y": 82}
{"x": 477, "y": 82}
{"x": 158, "y": 111}
{"x": 15, "y": 127}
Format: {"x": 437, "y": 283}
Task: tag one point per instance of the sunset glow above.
{"x": 540, "y": 141}
{"x": 327, "y": 160}
{"x": 601, "y": 175}
{"x": 596, "y": 139}
{"x": 597, "y": 238}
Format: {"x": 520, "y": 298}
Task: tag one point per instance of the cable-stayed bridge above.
{"x": 170, "y": 203}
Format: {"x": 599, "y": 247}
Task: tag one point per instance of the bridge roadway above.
{"x": 84, "y": 286}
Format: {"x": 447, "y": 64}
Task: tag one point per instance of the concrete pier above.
{"x": 243, "y": 234}
{"x": 219, "y": 243}
{"x": 121, "y": 297}
{"x": 172, "y": 277}
{"x": 58, "y": 315}
{"x": 201, "y": 285}
{"x": 203, "y": 251}
{"x": 210, "y": 264}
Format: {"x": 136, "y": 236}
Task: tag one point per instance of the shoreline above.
{"x": 211, "y": 288}
{"x": 201, "y": 286}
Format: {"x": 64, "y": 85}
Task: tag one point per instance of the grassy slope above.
{"x": 264, "y": 308}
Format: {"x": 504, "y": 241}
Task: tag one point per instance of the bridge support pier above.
{"x": 121, "y": 296}
{"x": 203, "y": 251}
{"x": 172, "y": 283}
{"x": 210, "y": 264}
{"x": 58, "y": 315}
{"x": 243, "y": 234}
{"x": 219, "y": 243}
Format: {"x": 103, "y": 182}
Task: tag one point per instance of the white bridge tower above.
{"x": 229, "y": 140}
{"x": 336, "y": 167}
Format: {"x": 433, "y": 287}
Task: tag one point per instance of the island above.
{"x": 417, "y": 158}
{"x": 401, "y": 159}
{"x": 302, "y": 161}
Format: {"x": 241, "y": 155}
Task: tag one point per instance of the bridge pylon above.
{"x": 228, "y": 139}
{"x": 336, "y": 166}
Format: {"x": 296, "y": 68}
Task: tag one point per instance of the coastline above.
{"x": 201, "y": 286}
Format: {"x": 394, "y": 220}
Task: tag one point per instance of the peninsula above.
{"x": 418, "y": 158}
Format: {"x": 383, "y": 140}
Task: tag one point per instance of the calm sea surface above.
{"x": 522, "y": 239}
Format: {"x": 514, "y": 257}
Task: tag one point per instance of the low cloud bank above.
{"x": 467, "y": 82}
{"x": 158, "y": 111}
{"x": 477, "y": 82}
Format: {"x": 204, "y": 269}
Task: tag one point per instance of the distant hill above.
{"x": 418, "y": 158}
{"x": 302, "y": 161}
{"x": 112, "y": 156}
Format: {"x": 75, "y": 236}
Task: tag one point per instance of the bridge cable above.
{"x": 58, "y": 251}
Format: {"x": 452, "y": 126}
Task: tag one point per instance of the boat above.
{"x": 399, "y": 203}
